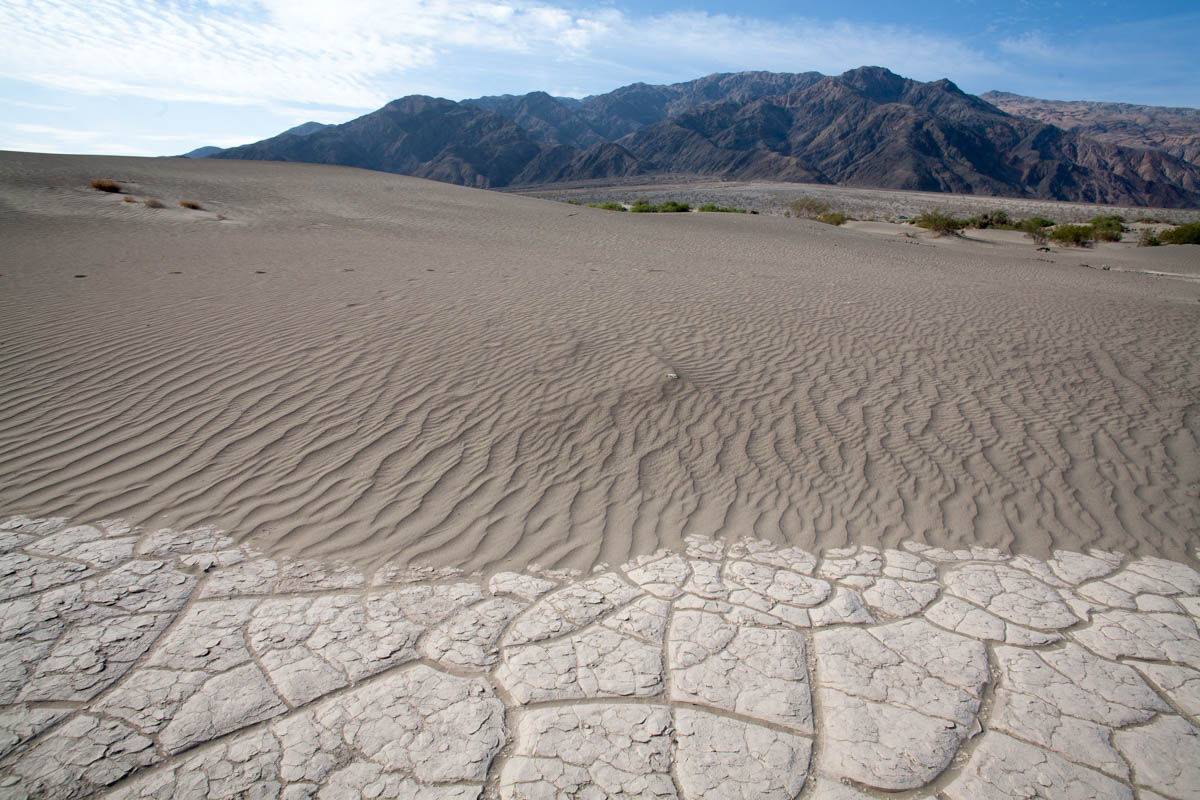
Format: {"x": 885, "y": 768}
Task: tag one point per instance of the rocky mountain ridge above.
{"x": 1174, "y": 130}
{"x": 867, "y": 127}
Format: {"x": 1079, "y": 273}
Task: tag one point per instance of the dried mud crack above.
{"x": 158, "y": 663}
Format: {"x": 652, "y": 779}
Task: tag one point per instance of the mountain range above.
{"x": 1175, "y": 130}
{"x": 867, "y": 127}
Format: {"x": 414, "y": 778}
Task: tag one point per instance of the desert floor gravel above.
{"x": 157, "y": 664}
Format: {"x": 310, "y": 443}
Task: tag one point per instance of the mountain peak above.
{"x": 880, "y": 84}
{"x": 306, "y": 128}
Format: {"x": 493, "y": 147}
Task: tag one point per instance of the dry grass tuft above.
{"x": 152, "y": 203}
{"x": 192, "y": 204}
{"x": 129, "y": 199}
{"x": 105, "y": 185}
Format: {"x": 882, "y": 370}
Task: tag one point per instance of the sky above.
{"x": 161, "y": 77}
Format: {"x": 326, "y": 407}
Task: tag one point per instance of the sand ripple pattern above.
{"x": 479, "y": 380}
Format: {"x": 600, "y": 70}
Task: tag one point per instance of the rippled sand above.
{"x": 377, "y": 368}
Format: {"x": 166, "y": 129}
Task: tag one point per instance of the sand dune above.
{"x": 376, "y": 368}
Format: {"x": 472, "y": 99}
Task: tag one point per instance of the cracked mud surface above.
{"x": 157, "y": 664}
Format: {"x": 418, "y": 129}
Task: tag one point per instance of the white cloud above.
{"x": 35, "y": 138}
{"x": 358, "y": 54}
{"x": 66, "y": 135}
{"x": 329, "y": 61}
{"x": 34, "y": 106}
{"x": 1036, "y": 46}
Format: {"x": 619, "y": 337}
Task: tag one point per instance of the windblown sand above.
{"x": 378, "y": 368}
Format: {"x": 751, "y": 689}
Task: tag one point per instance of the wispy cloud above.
{"x": 34, "y": 106}
{"x": 270, "y": 64}
{"x": 66, "y": 135}
{"x": 358, "y": 54}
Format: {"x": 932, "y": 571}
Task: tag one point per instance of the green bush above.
{"x": 808, "y": 207}
{"x": 939, "y": 223}
{"x": 832, "y": 218}
{"x": 721, "y": 209}
{"x": 1108, "y": 228}
{"x": 1184, "y": 234}
{"x": 609, "y": 206}
{"x": 644, "y": 206}
{"x": 1034, "y": 229}
{"x": 992, "y": 219}
{"x": 1073, "y": 235}
{"x": 1041, "y": 222}
{"x": 1149, "y": 239}
{"x": 1151, "y": 220}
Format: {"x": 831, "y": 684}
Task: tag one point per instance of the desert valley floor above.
{"x": 350, "y": 484}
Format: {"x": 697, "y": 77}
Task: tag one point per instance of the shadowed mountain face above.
{"x": 868, "y": 127}
{"x": 444, "y": 141}
{"x": 607, "y": 117}
{"x": 1175, "y": 130}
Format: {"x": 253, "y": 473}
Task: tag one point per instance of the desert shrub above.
{"x": 644, "y": 206}
{"x": 1073, "y": 235}
{"x": 1034, "y": 230}
{"x": 105, "y": 185}
{"x": 1041, "y": 222}
{"x": 721, "y": 209}
{"x": 192, "y": 204}
{"x": 832, "y": 218}
{"x": 129, "y": 199}
{"x": 152, "y": 203}
{"x": 574, "y": 203}
{"x": 939, "y": 223}
{"x": 1184, "y": 234}
{"x": 609, "y": 206}
{"x": 1108, "y": 228}
{"x": 808, "y": 207}
{"x": 992, "y": 219}
{"x": 1150, "y": 220}
{"x": 1149, "y": 239}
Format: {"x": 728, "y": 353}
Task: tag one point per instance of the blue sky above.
{"x": 158, "y": 77}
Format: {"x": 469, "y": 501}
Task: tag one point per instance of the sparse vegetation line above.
{"x": 812, "y": 208}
